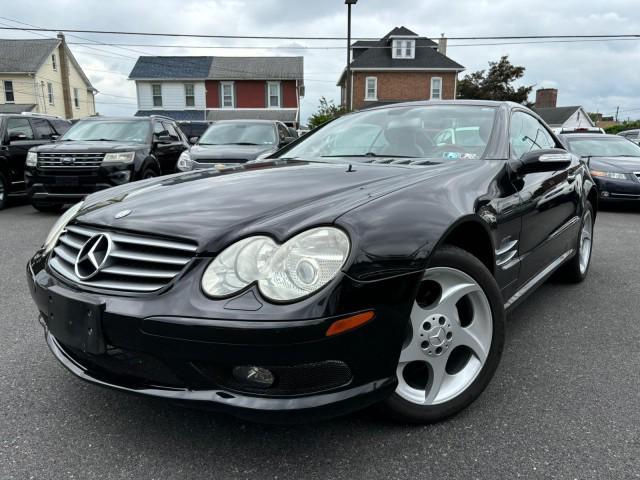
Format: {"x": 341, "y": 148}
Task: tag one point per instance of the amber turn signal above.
{"x": 349, "y": 323}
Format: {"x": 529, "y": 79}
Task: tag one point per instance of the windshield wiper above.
{"x": 368, "y": 154}
{"x": 100, "y": 140}
{"x": 243, "y": 143}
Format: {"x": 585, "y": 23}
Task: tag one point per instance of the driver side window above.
{"x": 527, "y": 134}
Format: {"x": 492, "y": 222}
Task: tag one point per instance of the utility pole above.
{"x": 617, "y": 110}
{"x": 348, "y": 81}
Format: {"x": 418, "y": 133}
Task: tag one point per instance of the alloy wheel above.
{"x": 448, "y": 339}
{"x": 586, "y": 234}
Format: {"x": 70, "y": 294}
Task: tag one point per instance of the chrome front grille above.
{"x": 70, "y": 160}
{"x": 135, "y": 263}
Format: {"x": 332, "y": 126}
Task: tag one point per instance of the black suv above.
{"x": 101, "y": 152}
{"x": 18, "y": 133}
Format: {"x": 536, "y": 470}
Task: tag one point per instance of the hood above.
{"x": 615, "y": 164}
{"x": 215, "y": 207}
{"x": 226, "y": 153}
{"x": 78, "y": 146}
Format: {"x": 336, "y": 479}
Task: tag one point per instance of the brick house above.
{"x": 220, "y": 88}
{"x": 401, "y": 66}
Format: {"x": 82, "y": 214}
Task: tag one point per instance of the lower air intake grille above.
{"x": 125, "y": 262}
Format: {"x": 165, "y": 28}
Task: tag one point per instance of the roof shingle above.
{"x": 556, "y": 116}
{"x": 257, "y": 68}
{"x": 171, "y": 68}
{"x": 25, "y": 55}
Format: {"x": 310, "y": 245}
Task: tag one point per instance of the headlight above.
{"x": 185, "y": 163}
{"x": 119, "y": 157}
{"x": 286, "y": 272}
{"x": 59, "y": 227}
{"x": 614, "y": 175}
{"x": 32, "y": 159}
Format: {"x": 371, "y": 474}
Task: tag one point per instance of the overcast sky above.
{"x": 598, "y": 75}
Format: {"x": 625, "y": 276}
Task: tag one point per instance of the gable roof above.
{"x": 377, "y": 55}
{"x": 178, "y": 68}
{"x": 257, "y": 68}
{"x": 25, "y": 56}
{"x": 400, "y": 32}
{"x": 556, "y": 116}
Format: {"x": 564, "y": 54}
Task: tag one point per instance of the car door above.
{"x": 171, "y": 151}
{"x": 550, "y": 201}
{"x": 19, "y": 138}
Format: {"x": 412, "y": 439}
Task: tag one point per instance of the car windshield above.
{"x": 603, "y": 147}
{"x": 239, "y": 134}
{"x": 441, "y": 132}
{"x": 136, "y": 131}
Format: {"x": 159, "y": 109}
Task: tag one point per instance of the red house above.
{"x": 220, "y": 88}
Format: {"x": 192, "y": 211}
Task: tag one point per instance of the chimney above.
{"x": 442, "y": 44}
{"x": 546, "y": 97}
{"x": 64, "y": 76}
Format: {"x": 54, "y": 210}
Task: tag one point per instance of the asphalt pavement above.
{"x": 565, "y": 401}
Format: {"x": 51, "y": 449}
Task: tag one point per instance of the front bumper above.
{"x": 618, "y": 190}
{"x": 184, "y": 357}
{"x": 62, "y": 185}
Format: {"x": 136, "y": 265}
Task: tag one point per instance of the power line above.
{"x": 285, "y": 37}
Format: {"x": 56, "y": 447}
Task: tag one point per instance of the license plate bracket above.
{"x": 76, "y": 320}
{"x": 67, "y": 180}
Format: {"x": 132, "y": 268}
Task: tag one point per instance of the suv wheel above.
{"x": 48, "y": 207}
{"x": 4, "y": 191}
{"x": 149, "y": 173}
{"x": 454, "y": 340}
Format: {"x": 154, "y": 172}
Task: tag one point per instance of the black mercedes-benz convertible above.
{"x": 369, "y": 262}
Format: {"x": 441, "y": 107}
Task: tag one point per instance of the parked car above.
{"x": 633, "y": 135}
{"x": 98, "y": 153}
{"x": 614, "y": 163}
{"x": 18, "y": 133}
{"x": 327, "y": 279}
{"x": 235, "y": 142}
{"x": 571, "y": 131}
{"x": 193, "y": 130}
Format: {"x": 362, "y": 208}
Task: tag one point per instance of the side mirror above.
{"x": 163, "y": 139}
{"x": 17, "y": 136}
{"x": 193, "y": 140}
{"x": 54, "y": 136}
{"x": 549, "y": 160}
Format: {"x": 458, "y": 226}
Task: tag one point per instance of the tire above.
{"x": 48, "y": 207}
{"x": 456, "y": 331}
{"x": 148, "y": 173}
{"x": 576, "y": 269}
{"x": 4, "y": 191}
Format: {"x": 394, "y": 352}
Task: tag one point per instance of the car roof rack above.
{"x": 45, "y": 115}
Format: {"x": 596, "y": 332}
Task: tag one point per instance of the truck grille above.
{"x": 70, "y": 160}
{"x": 135, "y": 263}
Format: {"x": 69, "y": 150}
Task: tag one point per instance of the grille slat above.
{"x": 78, "y": 160}
{"x": 135, "y": 263}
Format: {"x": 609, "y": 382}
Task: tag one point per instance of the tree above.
{"x": 495, "y": 84}
{"x": 326, "y": 111}
{"x": 626, "y": 125}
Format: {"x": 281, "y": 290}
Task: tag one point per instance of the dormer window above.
{"x": 403, "y": 48}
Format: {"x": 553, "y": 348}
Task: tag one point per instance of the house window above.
{"x": 227, "y": 95}
{"x": 156, "y": 92}
{"x": 274, "y": 94}
{"x": 76, "y": 98}
{"x": 50, "y": 92}
{"x": 436, "y": 88}
{"x": 8, "y": 91}
{"x": 53, "y": 61}
{"x": 372, "y": 88}
{"x": 404, "y": 49}
{"x": 189, "y": 95}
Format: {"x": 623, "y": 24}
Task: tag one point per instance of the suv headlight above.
{"x": 286, "y": 272}
{"x": 185, "y": 163}
{"x": 119, "y": 157}
{"x": 59, "y": 226}
{"x": 32, "y": 159}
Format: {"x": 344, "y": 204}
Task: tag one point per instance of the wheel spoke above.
{"x": 411, "y": 353}
{"x": 472, "y": 338}
{"x": 454, "y": 293}
{"x": 437, "y": 377}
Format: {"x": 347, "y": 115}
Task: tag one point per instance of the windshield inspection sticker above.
{"x": 470, "y": 156}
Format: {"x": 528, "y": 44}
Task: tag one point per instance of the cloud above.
{"x": 598, "y": 75}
